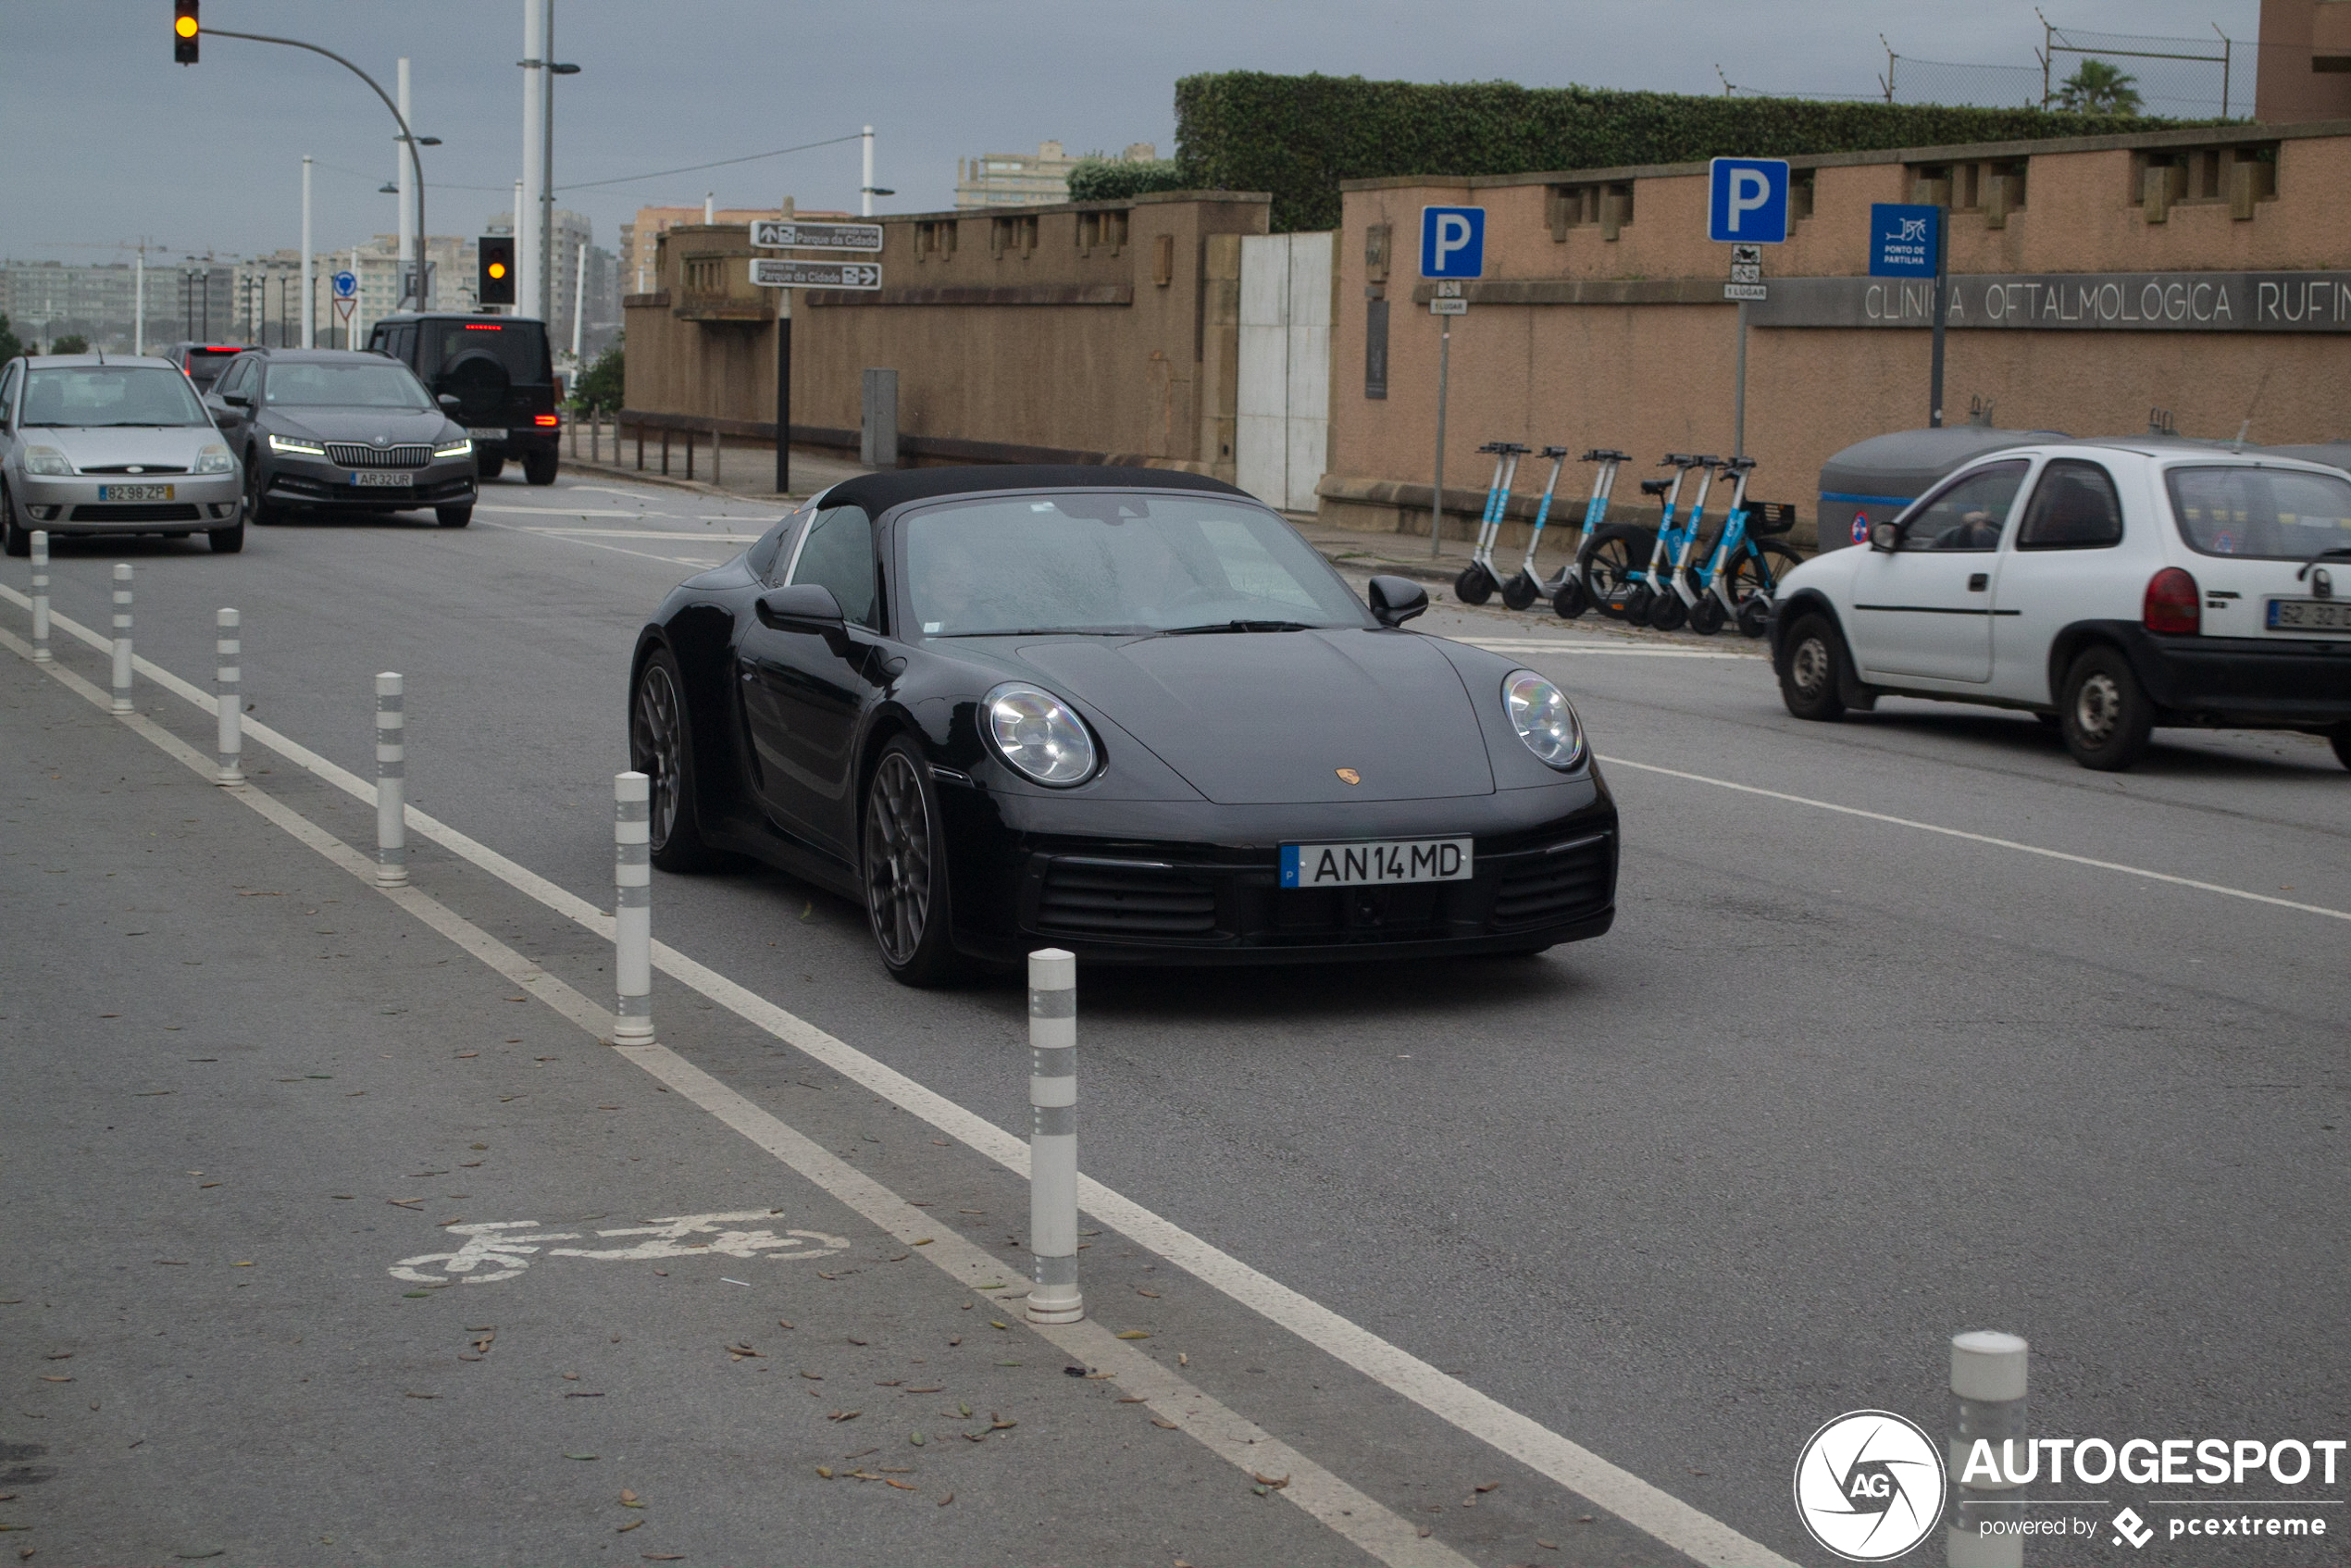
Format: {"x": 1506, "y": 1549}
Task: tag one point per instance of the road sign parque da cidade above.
{"x": 790, "y": 234}
{"x": 1452, "y": 242}
{"x": 782, "y": 272}
{"x": 1746, "y": 201}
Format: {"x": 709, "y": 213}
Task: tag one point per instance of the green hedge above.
{"x": 1115, "y": 179}
{"x": 1299, "y": 136}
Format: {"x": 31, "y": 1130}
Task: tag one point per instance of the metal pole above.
{"x": 534, "y": 57}
{"x": 1942, "y": 311}
{"x": 1444, "y": 368}
{"x": 1987, "y": 1405}
{"x": 579, "y": 308}
{"x": 632, "y": 915}
{"x": 139, "y": 302}
{"x": 1054, "y": 1295}
{"x": 783, "y": 392}
{"x": 122, "y": 637}
{"x": 1738, "y": 398}
{"x": 309, "y": 282}
{"x": 392, "y": 783}
{"x": 547, "y": 168}
{"x": 40, "y": 655}
{"x": 228, "y": 690}
{"x": 408, "y": 212}
{"x": 865, "y": 192}
{"x": 717, "y": 450}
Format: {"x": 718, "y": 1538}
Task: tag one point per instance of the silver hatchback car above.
{"x": 112, "y": 444}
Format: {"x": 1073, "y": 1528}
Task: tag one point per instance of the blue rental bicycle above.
{"x": 1743, "y": 570}
{"x": 1478, "y": 580}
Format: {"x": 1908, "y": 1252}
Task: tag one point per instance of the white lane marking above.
{"x": 492, "y": 1244}
{"x": 699, "y": 564}
{"x": 1986, "y": 838}
{"x": 562, "y": 512}
{"x": 676, "y": 536}
{"x": 1645, "y": 1507}
{"x": 1539, "y": 645}
{"x": 1330, "y": 1500}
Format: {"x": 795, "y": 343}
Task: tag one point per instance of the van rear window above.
{"x": 520, "y": 346}
{"x": 2269, "y": 514}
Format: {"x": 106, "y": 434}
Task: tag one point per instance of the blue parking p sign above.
{"x": 1746, "y": 201}
{"x": 1452, "y": 242}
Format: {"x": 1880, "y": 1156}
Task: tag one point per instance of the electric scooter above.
{"x": 1670, "y": 609}
{"x": 1478, "y": 580}
{"x": 1632, "y": 596}
{"x": 1571, "y": 592}
{"x": 1526, "y": 587}
{"x": 1711, "y": 608}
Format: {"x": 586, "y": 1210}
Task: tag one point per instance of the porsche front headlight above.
{"x": 1540, "y": 713}
{"x": 1035, "y": 733}
{"x": 46, "y": 460}
{"x": 296, "y": 447}
{"x": 214, "y": 459}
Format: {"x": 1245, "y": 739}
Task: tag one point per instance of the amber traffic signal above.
{"x": 184, "y": 27}
{"x": 496, "y": 283}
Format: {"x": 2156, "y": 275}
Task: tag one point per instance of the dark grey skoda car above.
{"x": 342, "y": 431}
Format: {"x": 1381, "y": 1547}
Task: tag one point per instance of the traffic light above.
{"x": 184, "y": 27}
{"x": 496, "y": 283}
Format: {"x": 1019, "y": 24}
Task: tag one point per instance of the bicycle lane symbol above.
{"x": 495, "y": 1250}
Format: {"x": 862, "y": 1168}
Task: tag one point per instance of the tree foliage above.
{"x": 1115, "y": 179}
{"x": 1299, "y": 136}
{"x": 73, "y": 342}
{"x": 10, "y": 345}
{"x": 2099, "y": 87}
{"x": 600, "y": 385}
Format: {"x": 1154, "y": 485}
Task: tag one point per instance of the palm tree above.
{"x": 2098, "y": 88}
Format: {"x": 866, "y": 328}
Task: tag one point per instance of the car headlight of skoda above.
{"x": 214, "y": 458}
{"x": 462, "y": 447}
{"x": 46, "y": 460}
{"x": 1035, "y": 733}
{"x": 294, "y": 446}
{"x": 1544, "y": 719}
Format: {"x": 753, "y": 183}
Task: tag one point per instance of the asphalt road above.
{"x": 1833, "y": 1088}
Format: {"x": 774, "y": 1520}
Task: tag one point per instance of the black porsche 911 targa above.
{"x": 1127, "y": 712}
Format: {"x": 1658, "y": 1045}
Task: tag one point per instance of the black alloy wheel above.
{"x": 905, "y": 869}
{"x": 2103, "y": 713}
{"x": 539, "y": 468}
{"x": 661, "y": 747}
{"x": 1807, "y": 669}
{"x": 258, "y": 511}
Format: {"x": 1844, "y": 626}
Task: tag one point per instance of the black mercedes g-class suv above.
{"x": 497, "y": 368}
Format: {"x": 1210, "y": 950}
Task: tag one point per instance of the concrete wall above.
{"x": 2305, "y": 46}
{"x": 1634, "y": 347}
{"x": 1063, "y": 332}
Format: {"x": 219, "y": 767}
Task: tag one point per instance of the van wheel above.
{"x": 2104, "y": 714}
{"x": 1807, "y": 669}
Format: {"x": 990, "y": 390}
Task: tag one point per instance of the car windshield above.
{"x": 384, "y": 384}
{"x": 2269, "y": 514}
{"x": 110, "y": 394}
{"x": 1115, "y": 563}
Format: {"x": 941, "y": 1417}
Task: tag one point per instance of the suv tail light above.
{"x": 2173, "y": 603}
{"x": 551, "y": 420}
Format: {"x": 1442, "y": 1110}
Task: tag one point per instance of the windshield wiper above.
{"x": 1236, "y": 626}
{"x": 2330, "y": 550}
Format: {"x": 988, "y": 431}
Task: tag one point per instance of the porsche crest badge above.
{"x": 1348, "y": 776}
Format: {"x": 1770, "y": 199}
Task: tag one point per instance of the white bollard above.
{"x": 392, "y": 783}
{"x": 122, "y": 637}
{"x": 632, "y": 915}
{"x": 1987, "y": 1402}
{"x": 1054, "y": 1295}
{"x": 228, "y": 696}
{"x": 40, "y": 655}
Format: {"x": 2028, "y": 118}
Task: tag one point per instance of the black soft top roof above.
{"x": 879, "y": 493}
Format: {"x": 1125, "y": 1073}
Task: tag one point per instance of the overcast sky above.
{"x": 107, "y": 140}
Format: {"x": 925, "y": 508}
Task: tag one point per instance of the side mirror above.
{"x": 236, "y": 400}
{"x": 450, "y": 399}
{"x": 1395, "y": 600}
{"x": 1884, "y": 537}
{"x": 803, "y": 607}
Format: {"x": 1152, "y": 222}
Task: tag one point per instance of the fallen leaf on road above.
{"x": 173, "y": 1262}
{"x": 624, "y": 1529}
{"x": 571, "y": 1377}
{"x": 404, "y": 1202}
{"x": 1426, "y": 1532}
{"x": 463, "y": 1055}
{"x": 974, "y": 1437}
{"x": 1583, "y": 1519}
{"x": 889, "y": 1383}
{"x": 1271, "y": 1481}
{"x": 576, "y": 1455}
{"x": 60, "y": 1355}
{"x": 928, "y": 1389}
{"x": 996, "y": 1323}
{"x": 1133, "y": 1334}
{"x": 55, "y": 1377}
{"x": 660, "y": 1556}
{"x": 915, "y": 1438}
{"x": 1167, "y": 1425}
{"x": 1183, "y": 1360}
{"x": 854, "y": 1340}
{"x": 813, "y": 1376}
{"x": 576, "y": 1394}
{"x": 628, "y": 1498}
{"x": 861, "y": 1454}
{"x": 453, "y": 1219}
{"x": 739, "y": 1352}
{"x": 424, "y": 1396}
{"x": 845, "y": 1415}
{"x": 998, "y": 1424}
{"x": 1488, "y": 1486}
{"x": 948, "y": 1499}
{"x": 966, "y": 1411}
{"x": 1152, "y": 1294}
{"x": 955, "y": 1339}
{"x": 781, "y": 1324}
{"x": 901, "y": 1486}
{"x": 1546, "y": 1546}
{"x": 924, "y": 1243}
{"x": 1134, "y": 1400}
{"x": 824, "y": 1472}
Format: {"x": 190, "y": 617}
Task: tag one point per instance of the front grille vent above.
{"x": 1545, "y": 890}
{"x": 1123, "y": 898}
{"x": 135, "y": 468}
{"x": 138, "y": 512}
{"x": 352, "y": 455}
